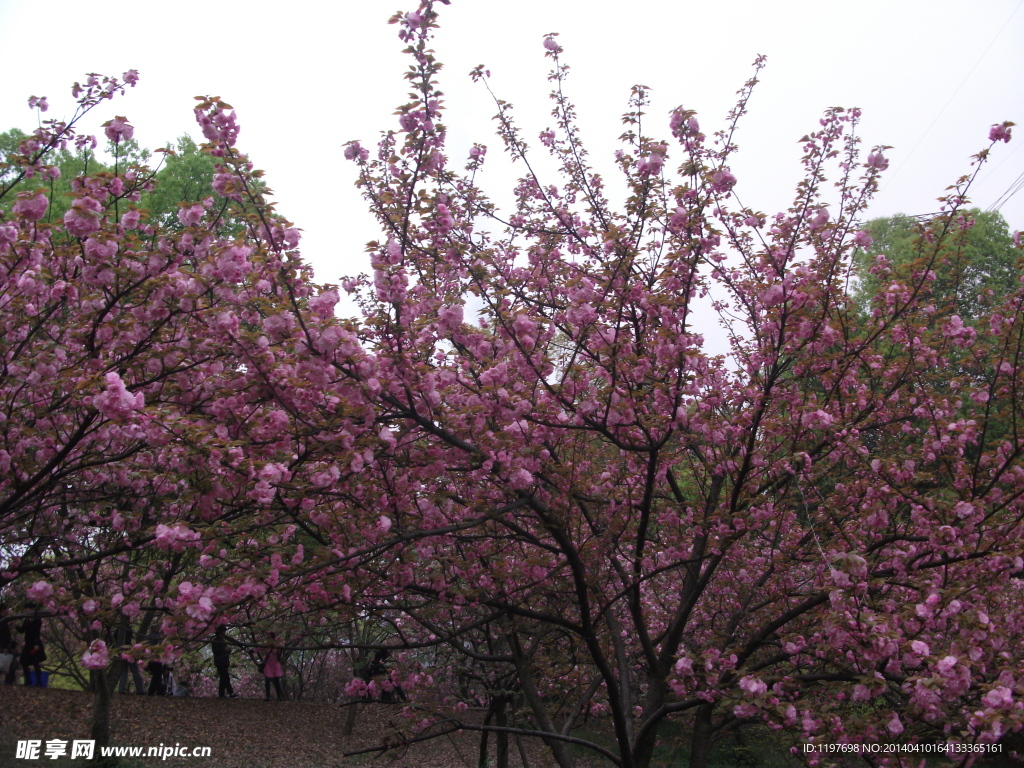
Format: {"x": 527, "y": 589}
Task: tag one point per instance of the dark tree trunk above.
{"x": 501, "y": 738}
{"x": 481, "y": 760}
{"x": 99, "y": 729}
{"x": 643, "y": 747}
{"x": 524, "y": 759}
{"x": 559, "y": 749}
{"x": 700, "y": 747}
{"x": 117, "y": 668}
{"x": 350, "y": 718}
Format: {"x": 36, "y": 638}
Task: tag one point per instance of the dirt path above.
{"x": 242, "y": 733}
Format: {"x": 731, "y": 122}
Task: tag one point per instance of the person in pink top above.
{"x": 273, "y": 670}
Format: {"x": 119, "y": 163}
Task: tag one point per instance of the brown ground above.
{"x": 251, "y": 733}
{"x": 242, "y": 733}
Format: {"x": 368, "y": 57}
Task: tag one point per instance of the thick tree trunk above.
{"x": 350, "y": 718}
{"x": 559, "y": 749}
{"x": 700, "y": 747}
{"x": 643, "y": 747}
{"x": 99, "y": 729}
{"x": 483, "y": 757}
{"x": 117, "y": 668}
{"x": 523, "y": 757}
{"x": 501, "y": 738}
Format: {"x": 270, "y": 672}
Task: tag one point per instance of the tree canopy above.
{"x": 522, "y": 473}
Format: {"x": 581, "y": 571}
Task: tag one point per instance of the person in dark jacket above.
{"x": 222, "y": 661}
{"x": 157, "y": 679}
{"x": 33, "y": 654}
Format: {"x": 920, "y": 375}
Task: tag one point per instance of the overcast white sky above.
{"x": 930, "y": 75}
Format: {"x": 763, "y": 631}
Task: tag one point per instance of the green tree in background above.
{"x": 184, "y": 176}
{"x": 975, "y": 266}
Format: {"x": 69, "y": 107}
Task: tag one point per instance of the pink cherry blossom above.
{"x": 551, "y": 46}
{"x": 83, "y": 218}
{"x": 130, "y": 219}
{"x": 32, "y": 207}
{"x": 1000, "y": 132}
{"x": 39, "y": 591}
{"x": 895, "y": 725}
{"x": 722, "y": 181}
{"x": 862, "y": 239}
{"x": 118, "y": 129}
{"x": 174, "y": 537}
{"x": 353, "y": 151}
{"x": 753, "y": 685}
{"x": 116, "y": 402}
{"x": 521, "y": 479}
{"x": 191, "y": 215}
{"x": 877, "y": 161}
{"x": 97, "y": 657}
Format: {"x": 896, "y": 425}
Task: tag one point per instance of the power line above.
{"x": 953, "y": 96}
{"x": 1012, "y": 190}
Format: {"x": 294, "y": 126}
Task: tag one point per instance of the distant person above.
{"x": 33, "y": 654}
{"x": 272, "y": 669}
{"x": 158, "y": 678}
{"x": 222, "y": 662}
{"x": 124, "y": 638}
{"x": 390, "y": 691}
{"x": 179, "y": 688}
{"x": 378, "y": 667}
{"x": 7, "y": 646}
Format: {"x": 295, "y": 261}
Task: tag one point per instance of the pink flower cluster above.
{"x": 174, "y": 537}
{"x": 118, "y": 129}
{"x": 116, "y": 402}
{"x": 97, "y": 657}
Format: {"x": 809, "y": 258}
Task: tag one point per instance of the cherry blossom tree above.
{"x": 124, "y": 341}
{"x": 816, "y": 530}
